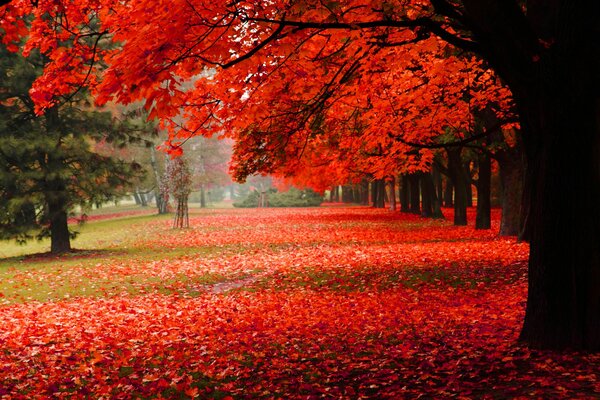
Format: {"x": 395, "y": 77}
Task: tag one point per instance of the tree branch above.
{"x": 494, "y": 128}
{"x": 256, "y": 49}
{"x": 423, "y": 22}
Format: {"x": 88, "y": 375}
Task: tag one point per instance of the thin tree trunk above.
{"x": 404, "y": 194}
{"x": 483, "y": 219}
{"x": 392, "y": 186}
{"x": 459, "y": 181}
{"x": 468, "y": 186}
{"x": 161, "y": 202}
{"x": 136, "y": 198}
{"x": 415, "y": 194}
{"x": 449, "y": 193}
{"x": 427, "y": 191}
{"x": 437, "y": 182}
{"x": 365, "y": 192}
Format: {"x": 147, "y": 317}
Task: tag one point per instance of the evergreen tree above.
{"x": 47, "y": 162}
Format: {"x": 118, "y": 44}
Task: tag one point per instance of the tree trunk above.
{"x": 404, "y": 194}
{"x": 143, "y": 199}
{"x": 136, "y": 198}
{"x": 378, "y": 193}
{"x": 563, "y": 303}
{"x": 415, "y": 194}
{"x": 364, "y": 189}
{"x": 427, "y": 192}
{"x": 161, "y": 202}
{"x": 448, "y": 193}
{"x": 26, "y": 215}
{"x": 460, "y": 182}
{"x": 392, "y": 186}
{"x": 556, "y": 87}
{"x": 483, "y": 218}
{"x": 181, "y": 214}
{"x": 512, "y": 174}
{"x": 60, "y": 238}
{"x": 437, "y": 182}
{"x": 469, "y": 180}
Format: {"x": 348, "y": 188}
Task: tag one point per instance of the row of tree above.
{"x": 329, "y": 92}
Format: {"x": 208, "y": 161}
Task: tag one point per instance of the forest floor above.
{"x": 330, "y": 302}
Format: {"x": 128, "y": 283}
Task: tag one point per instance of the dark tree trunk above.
{"x": 437, "y": 182}
{"x": 357, "y": 193}
{"x": 460, "y": 182}
{"x": 136, "y": 198}
{"x": 556, "y": 87}
{"x": 404, "y": 194}
{"x": 392, "y": 185}
{"x": 468, "y": 187}
{"x": 512, "y": 174}
{"x": 563, "y": 303}
{"x": 60, "y": 238}
{"x": 26, "y": 215}
{"x": 378, "y": 193}
{"x": 335, "y": 194}
{"x": 427, "y": 192}
{"x": 431, "y": 202}
{"x": 448, "y": 193}
{"x": 415, "y": 194}
{"x": 347, "y": 194}
{"x": 364, "y": 190}
{"x": 483, "y": 218}
{"x": 438, "y": 192}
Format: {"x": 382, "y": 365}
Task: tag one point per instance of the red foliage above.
{"x": 335, "y": 302}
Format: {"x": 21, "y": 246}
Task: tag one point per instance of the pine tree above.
{"x": 47, "y": 164}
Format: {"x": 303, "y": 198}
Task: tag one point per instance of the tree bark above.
{"x": 512, "y": 174}
{"x": 392, "y": 186}
{"x": 415, "y": 194}
{"x": 161, "y": 202}
{"x": 143, "y": 199}
{"x": 60, "y": 238}
{"x": 468, "y": 186}
{"x": 364, "y": 189}
{"x": 460, "y": 181}
{"x": 549, "y": 58}
{"x": 448, "y": 193}
{"x": 563, "y": 303}
{"x": 378, "y": 193}
{"x": 136, "y": 198}
{"x": 427, "y": 192}
{"x": 404, "y": 194}
{"x": 483, "y": 218}
{"x": 437, "y": 182}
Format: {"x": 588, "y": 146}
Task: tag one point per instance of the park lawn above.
{"x": 331, "y": 302}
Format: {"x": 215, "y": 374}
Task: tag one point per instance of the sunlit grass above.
{"x": 91, "y": 235}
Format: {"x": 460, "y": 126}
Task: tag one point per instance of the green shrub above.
{"x": 292, "y": 198}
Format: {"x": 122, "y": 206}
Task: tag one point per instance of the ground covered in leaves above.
{"x": 303, "y": 303}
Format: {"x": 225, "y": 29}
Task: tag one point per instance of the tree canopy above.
{"x": 302, "y": 80}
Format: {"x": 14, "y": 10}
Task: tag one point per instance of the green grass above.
{"x": 104, "y": 242}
